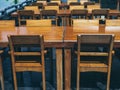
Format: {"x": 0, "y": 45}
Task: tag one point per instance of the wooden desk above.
{"x": 59, "y": 37}
{"x": 53, "y": 38}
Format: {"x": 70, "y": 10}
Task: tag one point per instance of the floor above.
{"x": 89, "y": 81}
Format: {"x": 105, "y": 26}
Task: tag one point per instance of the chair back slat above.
{"x": 25, "y": 40}
{"x": 79, "y": 12}
{"x": 74, "y": 3}
{"x": 96, "y": 39}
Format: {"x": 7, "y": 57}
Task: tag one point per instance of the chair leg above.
{"x": 43, "y": 79}
{"x": 78, "y": 79}
{"x": 15, "y": 81}
{"x": 1, "y": 75}
{"x": 108, "y": 81}
{"x": 14, "y": 78}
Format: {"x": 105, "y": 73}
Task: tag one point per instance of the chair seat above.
{"x": 101, "y": 67}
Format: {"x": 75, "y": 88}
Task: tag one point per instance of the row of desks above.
{"x": 68, "y": 13}
{"x": 59, "y": 38}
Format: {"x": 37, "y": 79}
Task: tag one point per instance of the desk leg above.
{"x": 67, "y": 69}
{"x": 59, "y": 69}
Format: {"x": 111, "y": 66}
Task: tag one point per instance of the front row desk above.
{"x": 63, "y": 37}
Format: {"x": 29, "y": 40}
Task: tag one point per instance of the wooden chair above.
{"x": 42, "y": 1}
{"x": 1, "y": 72}
{"x": 50, "y": 14}
{"x": 88, "y": 3}
{"x": 40, "y": 5}
{"x": 98, "y": 13}
{"x": 27, "y": 60}
{"x": 112, "y": 22}
{"x": 79, "y": 14}
{"x": 23, "y": 15}
{"x": 7, "y": 23}
{"x": 97, "y": 60}
{"x": 82, "y": 22}
{"x": 39, "y": 23}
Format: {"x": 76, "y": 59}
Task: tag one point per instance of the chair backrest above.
{"x": 86, "y": 42}
{"x": 42, "y": 1}
{"x": 48, "y": 13}
{"x": 40, "y": 5}
{"x": 25, "y": 14}
{"x": 51, "y": 8}
{"x": 100, "y": 12}
{"x": 52, "y": 4}
{"x": 27, "y": 60}
{"x": 81, "y": 22}
{"x": 76, "y": 7}
{"x": 39, "y": 23}
{"x": 113, "y": 22}
{"x": 16, "y": 42}
{"x": 7, "y": 23}
{"x": 79, "y": 12}
{"x": 1, "y": 72}
{"x": 74, "y": 3}
{"x": 88, "y": 3}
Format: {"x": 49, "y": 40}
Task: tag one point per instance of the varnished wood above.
{"x": 69, "y": 1}
{"x": 1, "y": 72}
{"x": 34, "y": 8}
{"x": 39, "y": 23}
{"x": 113, "y": 22}
{"x": 76, "y": 7}
{"x": 47, "y": 13}
{"x": 54, "y": 37}
{"x": 20, "y": 64}
{"x": 82, "y": 1}
{"x": 79, "y": 14}
{"x": 59, "y": 69}
{"x": 67, "y": 66}
{"x": 100, "y": 12}
{"x": 91, "y": 7}
{"x": 23, "y": 15}
{"x": 42, "y": 1}
{"x": 56, "y": 1}
{"x": 100, "y": 65}
{"x": 52, "y": 8}
{"x": 7, "y": 23}
{"x": 83, "y": 23}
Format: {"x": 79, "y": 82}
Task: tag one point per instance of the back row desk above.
{"x": 68, "y": 12}
{"x": 59, "y": 38}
